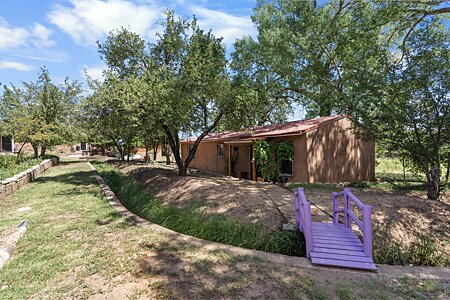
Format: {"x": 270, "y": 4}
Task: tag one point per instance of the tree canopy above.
{"x": 40, "y": 113}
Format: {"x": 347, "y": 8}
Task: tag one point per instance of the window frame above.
{"x": 220, "y": 148}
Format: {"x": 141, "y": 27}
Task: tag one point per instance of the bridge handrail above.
{"x": 303, "y": 218}
{"x": 365, "y": 225}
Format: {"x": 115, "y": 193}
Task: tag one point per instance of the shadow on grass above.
{"x": 80, "y": 178}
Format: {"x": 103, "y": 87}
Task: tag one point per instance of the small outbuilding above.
{"x": 324, "y": 150}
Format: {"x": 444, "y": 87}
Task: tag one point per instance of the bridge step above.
{"x": 336, "y": 245}
{"x": 343, "y": 263}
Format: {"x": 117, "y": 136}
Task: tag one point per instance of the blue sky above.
{"x": 62, "y": 35}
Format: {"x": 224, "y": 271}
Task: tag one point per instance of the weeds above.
{"x": 191, "y": 221}
{"x": 9, "y": 168}
{"x": 422, "y": 252}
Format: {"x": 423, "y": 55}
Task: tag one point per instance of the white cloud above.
{"x": 48, "y": 55}
{"x": 95, "y": 72}
{"x": 87, "y": 21}
{"x": 13, "y": 37}
{"x": 224, "y": 25}
{"x": 41, "y": 36}
{"x": 15, "y": 65}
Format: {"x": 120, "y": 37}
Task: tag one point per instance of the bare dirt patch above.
{"x": 226, "y": 196}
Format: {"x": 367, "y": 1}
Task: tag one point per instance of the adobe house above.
{"x": 325, "y": 150}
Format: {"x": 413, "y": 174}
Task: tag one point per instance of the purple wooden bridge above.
{"x": 335, "y": 244}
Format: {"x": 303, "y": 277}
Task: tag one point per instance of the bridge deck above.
{"x": 336, "y": 245}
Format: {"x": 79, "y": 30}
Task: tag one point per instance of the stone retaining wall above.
{"x": 12, "y": 184}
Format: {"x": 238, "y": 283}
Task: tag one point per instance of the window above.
{"x": 83, "y": 146}
{"x": 286, "y": 166}
{"x": 285, "y": 156}
{"x": 220, "y": 150}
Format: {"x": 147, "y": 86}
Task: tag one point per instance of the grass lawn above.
{"x": 8, "y": 168}
{"x": 78, "y": 247}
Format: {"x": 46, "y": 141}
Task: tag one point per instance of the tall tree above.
{"x": 364, "y": 58}
{"x": 414, "y": 114}
{"x": 185, "y": 69}
{"x": 112, "y": 111}
{"x": 40, "y": 113}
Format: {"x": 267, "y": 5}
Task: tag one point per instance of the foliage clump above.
{"x": 268, "y": 157}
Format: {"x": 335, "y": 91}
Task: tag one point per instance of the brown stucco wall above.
{"x": 334, "y": 154}
{"x": 206, "y": 158}
{"x": 159, "y": 156}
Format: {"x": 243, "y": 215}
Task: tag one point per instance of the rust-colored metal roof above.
{"x": 261, "y": 132}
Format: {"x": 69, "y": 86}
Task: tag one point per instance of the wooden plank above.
{"x": 337, "y": 242}
{"x": 338, "y": 251}
{"x": 328, "y": 224}
{"x": 331, "y": 228}
{"x": 341, "y": 247}
{"x": 337, "y": 228}
{"x": 343, "y": 263}
{"x": 337, "y": 238}
{"x": 340, "y": 235}
{"x": 323, "y": 232}
{"x": 341, "y": 257}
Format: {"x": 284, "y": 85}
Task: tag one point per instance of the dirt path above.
{"x": 78, "y": 247}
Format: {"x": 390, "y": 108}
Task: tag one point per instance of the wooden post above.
{"x": 347, "y": 221}
{"x": 229, "y": 159}
{"x": 254, "y": 164}
{"x": 367, "y": 230}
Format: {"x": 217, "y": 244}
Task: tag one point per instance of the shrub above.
{"x": 9, "y": 168}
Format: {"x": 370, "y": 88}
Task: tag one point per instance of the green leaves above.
{"x": 40, "y": 112}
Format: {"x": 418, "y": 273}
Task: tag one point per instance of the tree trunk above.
{"x": 433, "y": 183}
{"x": 36, "y": 151}
{"x": 119, "y": 148}
{"x": 167, "y": 156}
{"x": 182, "y": 170}
{"x": 128, "y": 156}
{"x": 18, "y": 154}
{"x": 174, "y": 142}
{"x": 43, "y": 150}
{"x": 448, "y": 167}
{"x": 147, "y": 159}
{"x": 155, "y": 151}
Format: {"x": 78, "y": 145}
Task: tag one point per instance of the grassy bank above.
{"x": 9, "y": 168}
{"x": 191, "y": 220}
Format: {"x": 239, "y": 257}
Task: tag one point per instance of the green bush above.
{"x": 9, "y": 168}
{"x": 191, "y": 220}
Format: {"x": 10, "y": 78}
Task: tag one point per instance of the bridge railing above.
{"x": 365, "y": 225}
{"x": 303, "y": 218}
